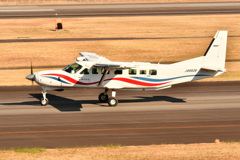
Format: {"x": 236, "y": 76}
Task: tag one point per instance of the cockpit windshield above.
{"x": 72, "y": 68}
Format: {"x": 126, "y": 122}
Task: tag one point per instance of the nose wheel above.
{"x": 44, "y": 101}
{"x": 112, "y": 101}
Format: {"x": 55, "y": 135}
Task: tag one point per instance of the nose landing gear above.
{"x": 112, "y": 101}
{"x": 44, "y": 101}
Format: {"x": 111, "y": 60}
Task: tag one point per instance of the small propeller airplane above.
{"x": 93, "y": 71}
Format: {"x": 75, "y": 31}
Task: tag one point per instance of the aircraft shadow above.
{"x": 153, "y": 99}
{"x": 65, "y": 104}
{"x": 61, "y": 103}
{"x": 68, "y": 105}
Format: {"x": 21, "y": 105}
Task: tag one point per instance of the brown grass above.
{"x": 55, "y": 53}
{"x": 164, "y": 50}
{"x": 100, "y": 27}
{"x": 16, "y": 77}
{"x": 230, "y": 151}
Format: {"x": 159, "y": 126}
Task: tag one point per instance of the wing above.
{"x": 114, "y": 65}
{"x": 94, "y": 57}
{"x": 102, "y": 62}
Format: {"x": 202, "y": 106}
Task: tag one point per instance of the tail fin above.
{"x": 214, "y": 58}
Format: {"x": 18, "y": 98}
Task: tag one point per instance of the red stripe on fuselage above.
{"x": 70, "y": 79}
{"x": 137, "y": 82}
{"x": 127, "y": 80}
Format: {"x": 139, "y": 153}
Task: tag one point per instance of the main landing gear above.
{"x": 103, "y": 98}
{"x": 112, "y": 101}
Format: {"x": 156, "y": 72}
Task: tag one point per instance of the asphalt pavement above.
{"x": 182, "y": 114}
{"x": 113, "y": 10}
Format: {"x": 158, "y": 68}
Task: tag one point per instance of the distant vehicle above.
{"x": 93, "y": 71}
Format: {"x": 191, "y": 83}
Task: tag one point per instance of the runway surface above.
{"x": 26, "y": 40}
{"x": 182, "y": 114}
{"x": 106, "y": 10}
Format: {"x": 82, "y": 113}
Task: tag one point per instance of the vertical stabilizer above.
{"x": 214, "y": 58}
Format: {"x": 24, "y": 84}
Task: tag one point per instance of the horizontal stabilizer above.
{"x": 213, "y": 68}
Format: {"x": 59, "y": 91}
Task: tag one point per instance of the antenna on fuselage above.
{"x": 160, "y": 61}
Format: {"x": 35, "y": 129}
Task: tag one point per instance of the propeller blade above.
{"x": 31, "y": 68}
{"x": 31, "y": 77}
{"x": 32, "y": 73}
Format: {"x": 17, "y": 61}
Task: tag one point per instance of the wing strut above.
{"x": 103, "y": 76}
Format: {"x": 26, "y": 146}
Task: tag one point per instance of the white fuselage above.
{"x": 141, "y": 76}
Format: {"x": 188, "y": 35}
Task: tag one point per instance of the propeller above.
{"x": 31, "y": 76}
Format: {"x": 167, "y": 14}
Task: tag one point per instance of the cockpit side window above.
{"x": 72, "y": 68}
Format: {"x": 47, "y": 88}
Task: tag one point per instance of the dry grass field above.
{"x": 176, "y": 41}
{"x": 213, "y": 151}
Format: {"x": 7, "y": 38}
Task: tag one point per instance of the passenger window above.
{"x": 132, "y": 71}
{"x": 118, "y": 71}
{"x": 103, "y": 70}
{"x": 85, "y": 71}
{"x": 143, "y": 71}
{"x": 94, "y": 71}
{"x": 152, "y": 72}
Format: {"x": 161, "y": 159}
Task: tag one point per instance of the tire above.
{"x": 112, "y": 102}
{"x": 103, "y": 98}
{"x": 44, "y": 102}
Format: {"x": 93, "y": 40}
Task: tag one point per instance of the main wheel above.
{"x": 112, "y": 102}
{"x": 103, "y": 98}
{"x": 44, "y": 102}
